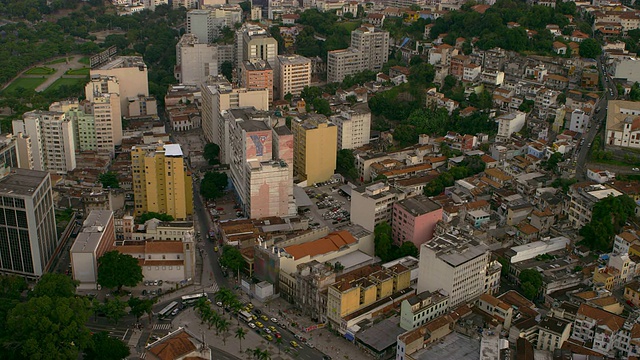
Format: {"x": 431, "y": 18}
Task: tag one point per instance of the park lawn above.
{"x": 350, "y": 25}
{"x": 83, "y": 71}
{"x": 40, "y": 71}
{"x": 27, "y": 83}
{"x": 84, "y": 60}
{"x": 65, "y": 81}
{"x": 59, "y": 61}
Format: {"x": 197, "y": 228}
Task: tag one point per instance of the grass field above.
{"x": 83, "y": 71}
{"x": 84, "y": 60}
{"x": 40, "y": 71}
{"x": 27, "y": 83}
{"x": 65, "y": 81}
{"x": 59, "y": 61}
{"x": 350, "y": 25}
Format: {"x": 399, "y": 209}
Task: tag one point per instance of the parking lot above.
{"x": 330, "y": 207}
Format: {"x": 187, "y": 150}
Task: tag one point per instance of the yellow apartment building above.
{"x": 362, "y": 287}
{"x": 161, "y": 182}
{"x": 315, "y": 146}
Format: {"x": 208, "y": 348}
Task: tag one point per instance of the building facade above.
{"x": 131, "y": 72}
{"x": 28, "y": 238}
{"x": 315, "y": 148}
{"x": 257, "y": 74}
{"x": 510, "y": 123}
{"x": 354, "y": 126}
{"x": 422, "y": 308}
{"x": 194, "y": 60}
{"x": 161, "y": 182}
{"x": 414, "y": 219}
{"x": 96, "y": 238}
{"x": 293, "y": 73}
{"x": 103, "y": 94}
{"x": 373, "y": 204}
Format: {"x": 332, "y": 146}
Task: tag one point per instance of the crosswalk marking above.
{"x": 214, "y": 287}
{"x": 161, "y": 326}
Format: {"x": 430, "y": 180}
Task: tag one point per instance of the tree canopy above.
{"x": 470, "y": 166}
{"x": 608, "y": 216}
{"x": 55, "y": 285}
{"x": 105, "y": 347}
{"x": 153, "y": 215}
{"x": 109, "y": 180}
{"x": 346, "y": 164}
{"x": 116, "y": 270}
{"x": 385, "y": 249}
{"x": 213, "y": 184}
{"x": 211, "y": 153}
{"x": 590, "y": 48}
{"x": 530, "y": 282}
{"x": 231, "y": 258}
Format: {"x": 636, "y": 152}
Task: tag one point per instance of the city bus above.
{"x": 167, "y": 309}
{"x": 245, "y": 316}
{"x": 191, "y": 299}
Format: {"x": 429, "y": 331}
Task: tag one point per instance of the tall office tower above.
{"x": 199, "y": 24}
{"x": 374, "y": 45}
{"x": 131, "y": 72}
{"x": 194, "y": 61}
{"x": 28, "y": 238}
{"x": 103, "y": 94}
{"x": 259, "y": 169}
{"x": 293, "y": 74}
{"x": 82, "y": 120}
{"x": 218, "y": 95}
{"x": 254, "y": 42}
{"x": 9, "y": 151}
{"x": 161, "y": 182}
{"x": 257, "y": 74}
{"x": 315, "y": 148}
{"x": 354, "y": 126}
{"x": 52, "y": 134}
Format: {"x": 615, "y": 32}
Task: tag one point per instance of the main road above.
{"x": 597, "y": 121}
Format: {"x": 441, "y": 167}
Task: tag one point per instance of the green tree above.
{"x": 109, "y": 180}
{"x": 139, "y": 307}
{"x": 55, "y": 285}
{"x": 211, "y": 153}
{"x": 408, "y": 249}
{"x": 530, "y": 282}
{"x": 221, "y": 327}
{"x": 226, "y": 68}
{"x": 232, "y": 258}
{"x": 47, "y": 328}
{"x": 590, "y": 48}
{"x": 322, "y": 106}
{"x": 551, "y": 164}
{"x": 213, "y": 184}
{"x": 240, "y": 335}
{"x": 383, "y": 240}
{"x": 116, "y": 270}
{"x": 608, "y": 217}
{"x": 114, "y": 309}
{"x": 105, "y": 347}
{"x": 346, "y": 164}
{"x": 153, "y": 215}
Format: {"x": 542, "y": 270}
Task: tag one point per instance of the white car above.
{"x": 635, "y": 169}
{"x": 267, "y": 331}
{"x": 252, "y": 325}
{"x": 274, "y": 320}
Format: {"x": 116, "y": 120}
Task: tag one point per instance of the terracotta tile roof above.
{"x": 493, "y": 301}
{"x": 487, "y": 159}
{"x": 329, "y": 243}
{"x": 161, "y": 247}
{"x": 613, "y": 322}
{"x": 173, "y": 347}
{"x": 414, "y": 335}
{"x": 605, "y": 301}
{"x": 439, "y": 323}
{"x": 527, "y": 229}
{"x": 477, "y": 204}
{"x": 586, "y": 295}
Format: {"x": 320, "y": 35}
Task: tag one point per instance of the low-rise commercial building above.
{"x": 96, "y": 237}
{"x": 422, "y": 308}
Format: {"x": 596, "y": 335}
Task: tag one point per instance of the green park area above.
{"x": 84, "y": 60}
{"x": 40, "y": 71}
{"x": 59, "y": 61}
{"x": 24, "y": 82}
{"x": 83, "y": 71}
{"x": 69, "y": 82}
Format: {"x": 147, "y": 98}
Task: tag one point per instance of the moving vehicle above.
{"x": 245, "y": 316}
{"x": 191, "y": 299}
{"x": 294, "y": 344}
{"x": 259, "y": 324}
{"x": 167, "y": 309}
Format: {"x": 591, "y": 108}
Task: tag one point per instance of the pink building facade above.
{"x": 414, "y": 219}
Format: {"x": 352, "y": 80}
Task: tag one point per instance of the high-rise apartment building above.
{"x": 343, "y": 62}
{"x": 373, "y": 204}
{"x": 82, "y": 120}
{"x": 257, "y": 74}
{"x": 9, "y": 151}
{"x": 354, "y": 126}
{"x": 25, "y": 151}
{"x": 374, "y": 45}
{"x": 261, "y": 156}
{"x": 217, "y": 96}
{"x": 52, "y": 135}
{"x": 199, "y": 24}
{"x": 103, "y": 94}
{"x": 207, "y": 22}
{"x": 161, "y": 182}
{"x": 369, "y": 50}
{"x": 457, "y": 264}
{"x": 194, "y": 61}
{"x": 255, "y": 42}
{"x": 28, "y": 238}
{"x": 187, "y": 4}
{"x": 315, "y": 148}
{"x": 293, "y": 73}
{"x": 131, "y": 72}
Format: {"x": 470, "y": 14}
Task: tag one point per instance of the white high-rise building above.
{"x": 103, "y": 94}
{"x": 354, "y": 126}
{"x": 199, "y": 24}
{"x": 28, "y": 238}
{"x": 293, "y": 73}
{"x": 52, "y": 134}
{"x": 195, "y": 61}
{"x": 206, "y": 23}
{"x": 456, "y": 264}
{"x": 369, "y": 50}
